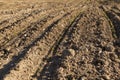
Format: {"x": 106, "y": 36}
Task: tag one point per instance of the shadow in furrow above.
{"x": 69, "y": 30}
{"x": 117, "y": 13}
{"x": 115, "y": 19}
{"x": 20, "y": 35}
{"x": 3, "y": 22}
{"x": 48, "y": 72}
{"x": 16, "y": 59}
{"x": 116, "y": 23}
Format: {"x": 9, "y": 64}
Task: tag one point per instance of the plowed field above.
{"x": 59, "y": 40}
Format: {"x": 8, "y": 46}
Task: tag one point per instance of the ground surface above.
{"x": 59, "y": 40}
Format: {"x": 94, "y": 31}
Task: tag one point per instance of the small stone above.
{"x": 109, "y": 48}
{"x": 8, "y": 48}
{"x": 117, "y": 60}
{"x": 99, "y": 50}
{"x": 113, "y": 56}
{"x": 103, "y": 43}
{"x": 25, "y": 35}
{"x": 60, "y": 70}
{"x": 106, "y": 77}
{"x": 83, "y": 78}
{"x": 106, "y": 63}
{"x": 68, "y": 52}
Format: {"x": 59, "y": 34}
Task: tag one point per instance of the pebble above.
{"x": 106, "y": 63}
{"x": 83, "y": 78}
{"x": 117, "y": 60}
{"x": 8, "y": 48}
{"x": 103, "y": 43}
{"x": 109, "y": 48}
{"x": 106, "y": 77}
{"x": 68, "y": 52}
{"x": 113, "y": 56}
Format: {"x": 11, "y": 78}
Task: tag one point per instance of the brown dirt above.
{"x": 59, "y": 40}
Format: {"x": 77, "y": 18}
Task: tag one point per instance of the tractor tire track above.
{"x": 19, "y": 23}
{"x": 23, "y": 39}
{"x": 30, "y": 36}
{"x": 45, "y": 43}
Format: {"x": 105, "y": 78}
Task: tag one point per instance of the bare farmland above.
{"x": 59, "y": 40}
